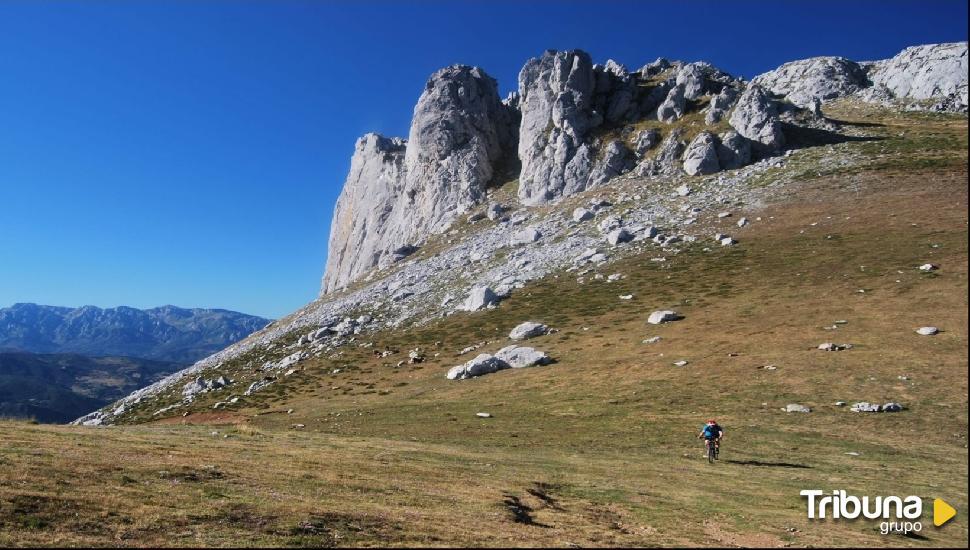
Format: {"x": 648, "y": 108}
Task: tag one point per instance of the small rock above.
{"x": 652, "y": 340}
{"x": 681, "y": 363}
{"x": 618, "y": 236}
{"x": 928, "y": 267}
{"x": 829, "y": 346}
{"x": 796, "y": 408}
{"x": 582, "y": 214}
{"x": 483, "y": 415}
{"x": 927, "y": 331}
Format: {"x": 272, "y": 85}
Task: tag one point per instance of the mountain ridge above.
{"x": 166, "y": 333}
{"x": 574, "y": 125}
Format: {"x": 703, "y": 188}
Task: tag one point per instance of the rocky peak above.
{"x": 397, "y": 192}
{"x": 930, "y": 72}
{"x": 818, "y": 78}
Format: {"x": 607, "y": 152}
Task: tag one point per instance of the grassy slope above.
{"x": 596, "y": 449}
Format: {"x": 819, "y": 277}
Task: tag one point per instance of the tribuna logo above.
{"x": 898, "y": 514}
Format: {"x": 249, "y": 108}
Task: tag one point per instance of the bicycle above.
{"x": 713, "y": 449}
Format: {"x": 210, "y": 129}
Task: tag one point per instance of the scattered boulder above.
{"x": 926, "y": 268}
{"x": 618, "y": 236}
{"x": 528, "y": 329}
{"x": 480, "y": 297}
{"x": 494, "y": 211}
{"x": 875, "y": 407}
{"x": 480, "y": 365}
{"x": 928, "y": 331}
{"x": 519, "y": 357}
{"x": 582, "y": 214}
{"x": 526, "y": 236}
{"x": 796, "y": 408}
{"x": 663, "y": 316}
{"x": 829, "y": 346}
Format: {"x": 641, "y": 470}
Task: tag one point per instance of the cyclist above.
{"x": 711, "y": 432}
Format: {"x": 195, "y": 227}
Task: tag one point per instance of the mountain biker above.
{"x": 711, "y": 431}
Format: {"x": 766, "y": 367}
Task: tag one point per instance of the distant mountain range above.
{"x": 61, "y": 387}
{"x": 164, "y": 333}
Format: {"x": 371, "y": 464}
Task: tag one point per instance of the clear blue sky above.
{"x": 190, "y": 152}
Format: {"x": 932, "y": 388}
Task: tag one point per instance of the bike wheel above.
{"x": 711, "y": 451}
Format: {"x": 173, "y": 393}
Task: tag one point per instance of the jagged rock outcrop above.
{"x": 397, "y": 192}
{"x": 756, "y": 117}
{"x": 673, "y": 105}
{"x": 733, "y": 151}
{"x": 721, "y": 104}
{"x": 929, "y": 72}
{"x": 818, "y": 78}
{"x": 667, "y": 158}
{"x": 459, "y": 134}
{"x": 571, "y": 126}
{"x": 701, "y": 155}
{"x": 556, "y": 95}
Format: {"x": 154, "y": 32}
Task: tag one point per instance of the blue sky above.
{"x": 190, "y": 152}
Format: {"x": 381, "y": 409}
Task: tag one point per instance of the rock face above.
{"x": 397, "y": 192}
{"x": 756, "y": 118}
{"x": 358, "y": 238}
{"x": 556, "y": 96}
{"x": 821, "y": 78}
{"x": 930, "y": 72}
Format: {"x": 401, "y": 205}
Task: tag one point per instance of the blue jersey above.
{"x": 712, "y": 432}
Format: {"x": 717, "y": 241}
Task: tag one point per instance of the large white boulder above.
{"x": 519, "y": 357}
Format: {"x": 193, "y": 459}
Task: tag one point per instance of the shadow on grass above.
{"x": 855, "y": 123}
{"x": 767, "y": 464}
{"x": 801, "y": 137}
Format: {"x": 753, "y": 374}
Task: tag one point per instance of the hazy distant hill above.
{"x": 61, "y": 387}
{"x": 165, "y": 333}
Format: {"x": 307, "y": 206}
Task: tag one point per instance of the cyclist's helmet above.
{"x": 711, "y": 421}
